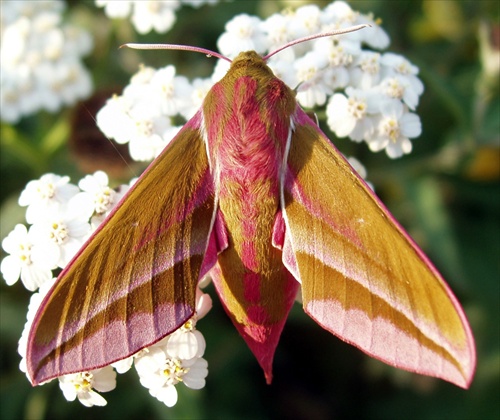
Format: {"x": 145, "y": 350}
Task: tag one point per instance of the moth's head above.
{"x": 248, "y": 56}
{"x": 249, "y": 60}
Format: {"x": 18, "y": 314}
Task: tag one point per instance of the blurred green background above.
{"x": 446, "y": 193}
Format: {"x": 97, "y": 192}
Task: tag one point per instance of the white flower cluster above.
{"x": 142, "y": 116}
{"x": 176, "y": 358}
{"x": 148, "y": 15}
{"x": 62, "y": 217}
{"x": 378, "y": 89}
{"x": 40, "y": 59}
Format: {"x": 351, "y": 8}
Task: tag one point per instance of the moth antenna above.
{"x": 316, "y": 36}
{"x": 208, "y": 53}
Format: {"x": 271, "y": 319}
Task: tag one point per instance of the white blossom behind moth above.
{"x": 41, "y": 60}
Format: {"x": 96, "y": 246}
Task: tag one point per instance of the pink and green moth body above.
{"x": 252, "y": 193}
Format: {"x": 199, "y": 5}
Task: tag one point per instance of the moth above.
{"x": 251, "y": 192}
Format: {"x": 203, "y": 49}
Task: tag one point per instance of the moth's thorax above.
{"x": 247, "y": 115}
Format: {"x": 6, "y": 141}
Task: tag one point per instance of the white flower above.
{"x": 339, "y": 12}
{"x": 157, "y": 15}
{"x": 59, "y": 237}
{"x": 142, "y": 115}
{"x": 338, "y": 51}
{"x": 150, "y": 137}
{"x": 49, "y": 194}
{"x": 194, "y": 378}
{"x": 114, "y": 119}
{"x": 115, "y": 9}
{"x": 97, "y": 186}
{"x": 277, "y": 29}
{"x": 316, "y": 91}
{"x": 398, "y": 87}
{"x": 124, "y": 365}
{"x": 160, "y": 373}
{"x": 98, "y": 218}
{"x": 243, "y": 33}
{"x": 64, "y": 83}
{"x": 82, "y": 385}
{"x": 11, "y": 10}
{"x": 139, "y": 88}
{"x": 19, "y": 244}
{"x": 305, "y": 21}
{"x": 176, "y": 358}
{"x": 96, "y": 196}
{"x": 40, "y": 61}
{"x": 11, "y": 102}
{"x": 394, "y": 130}
{"x": 374, "y": 36}
{"x": 365, "y": 72}
{"x": 148, "y": 15}
{"x": 350, "y": 116}
{"x": 312, "y": 87}
{"x": 167, "y": 394}
{"x": 186, "y": 343}
{"x": 170, "y": 91}
{"x": 397, "y": 65}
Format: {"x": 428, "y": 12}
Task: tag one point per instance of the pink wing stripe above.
{"x": 90, "y": 352}
{"x": 397, "y": 348}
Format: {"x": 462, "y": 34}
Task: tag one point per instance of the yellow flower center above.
{"x": 174, "y": 371}
{"x": 337, "y": 56}
{"x": 46, "y": 190}
{"x": 58, "y": 232}
{"x": 83, "y": 382}
{"x": 403, "y": 68}
{"x": 356, "y": 108}
{"x": 395, "y": 89}
{"x": 25, "y": 253}
{"x": 371, "y": 64}
{"x": 103, "y": 200}
{"x": 145, "y": 127}
{"x": 390, "y": 128}
{"x": 168, "y": 90}
{"x": 307, "y": 74}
